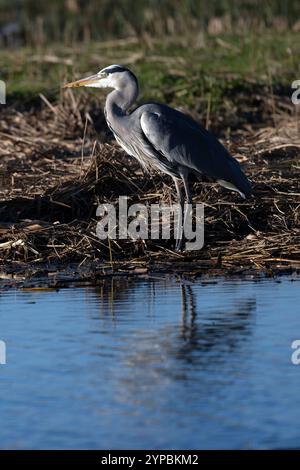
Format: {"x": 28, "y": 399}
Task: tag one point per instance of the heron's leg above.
{"x": 179, "y": 222}
{"x": 184, "y": 176}
{"x": 188, "y": 193}
{"x": 178, "y": 190}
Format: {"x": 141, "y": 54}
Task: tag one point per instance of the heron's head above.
{"x": 114, "y": 76}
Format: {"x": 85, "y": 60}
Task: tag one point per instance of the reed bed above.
{"x": 58, "y": 161}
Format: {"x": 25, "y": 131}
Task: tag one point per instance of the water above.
{"x": 151, "y": 364}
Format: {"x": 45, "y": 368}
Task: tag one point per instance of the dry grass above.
{"x": 52, "y": 178}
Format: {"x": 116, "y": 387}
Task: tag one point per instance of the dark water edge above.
{"x": 62, "y": 275}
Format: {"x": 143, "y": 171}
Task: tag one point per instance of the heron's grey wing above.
{"x": 187, "y": 145}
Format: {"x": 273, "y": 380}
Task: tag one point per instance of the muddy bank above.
{"x": 44, "y": 277}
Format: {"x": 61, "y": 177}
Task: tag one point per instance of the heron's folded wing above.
{"x": 182, "y": 141}
{"x": 185, "y": 143}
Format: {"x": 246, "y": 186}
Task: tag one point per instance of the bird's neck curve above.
{"x": 119, "y": 101}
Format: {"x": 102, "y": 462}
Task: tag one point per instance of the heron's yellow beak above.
{"x": 88, "y": 81}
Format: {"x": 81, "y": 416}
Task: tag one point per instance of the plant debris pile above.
{"x": 58, "y": 161}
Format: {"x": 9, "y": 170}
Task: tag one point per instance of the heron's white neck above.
{"x": 119, "y": 101}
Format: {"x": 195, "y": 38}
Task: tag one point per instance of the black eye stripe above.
{"x": 116, "y": 69}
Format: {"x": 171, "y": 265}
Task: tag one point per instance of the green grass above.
{"x": 176, "y": 71}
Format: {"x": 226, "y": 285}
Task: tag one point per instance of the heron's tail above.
{"x": 236, "y": 180}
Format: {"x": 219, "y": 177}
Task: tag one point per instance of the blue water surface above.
{"x": 152, "y": 364}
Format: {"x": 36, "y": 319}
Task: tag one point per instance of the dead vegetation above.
{"x": 54, "y": 171}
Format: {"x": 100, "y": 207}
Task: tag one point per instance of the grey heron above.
{"x": 164, "y": 138}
